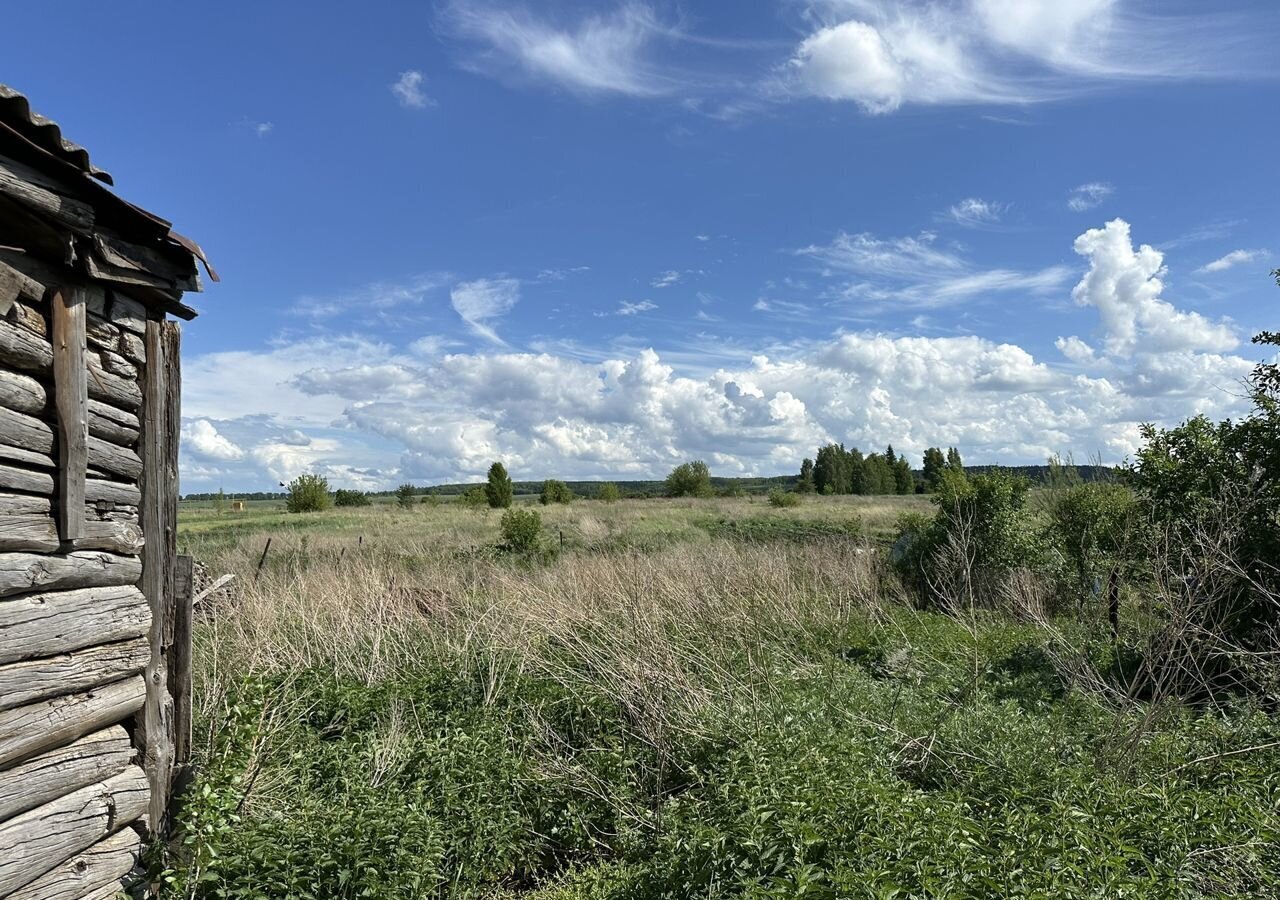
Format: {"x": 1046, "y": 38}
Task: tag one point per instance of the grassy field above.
{"x": 682, "y": 699}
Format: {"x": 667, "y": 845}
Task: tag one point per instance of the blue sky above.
{"x": 598, "y": 239}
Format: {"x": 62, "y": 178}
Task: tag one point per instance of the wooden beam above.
{"x": 180, "y": 654}
{"x": 161, "y": 417}
{"x": 22, "y": 393}
{"x": 71, "y": 399}
{"x": 30, "y": 680}
{"x": 39, "y": 839}
{"x": 31, "y": 730}
{"x": 64, "y": 769}
{"x": 22, "y": 572}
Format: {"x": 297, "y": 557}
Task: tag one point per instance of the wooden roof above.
{"x": 54, "y": 206}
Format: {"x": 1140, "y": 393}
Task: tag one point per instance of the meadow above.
{"x": 685, "y": 698}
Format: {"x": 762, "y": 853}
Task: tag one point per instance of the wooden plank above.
{"x": 71, "y": 399}
{"x": 23, "y": 349}
{"x": 31, "y": 730}
{"x": 64, "y": 769}
{"x": 128, "y": 313}
{"x": 29, "y": 532}
{"x": 161, "y": 417}
{"x": 22, "y": 393}
{"x": 177, "y": 269}
{"x": 51, "y": 622}
{"x": 22, "y": 572}
{"x": 180, "y": 655}
{"x": 97, "y": 871}
{"x": 15, "y": 283}
{"x": 38, "y": 840}
{"x": 30, "y": 680}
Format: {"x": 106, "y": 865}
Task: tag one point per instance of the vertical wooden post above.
{"x": 180, "y": 664}
{"x": 161, "y": 414}
{"x": 71, "y": 398}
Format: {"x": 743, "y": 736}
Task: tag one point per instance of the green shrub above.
{"x": 498, "y": 490}
{"x": 521, "y": 529}
{"x": 691, "y": 479}
{"x": 308, "y": 493}
{"x": 783, "y": 499}
{"x": 430, "y": 500}
{"x": 609, "y": 492}
{"x": 405, "y": 494}
{"x": 474, "y": 497}
{"x": 344, "y": 497}
{"x": 1098, "y": 529}
{"x": 554, "y": 491}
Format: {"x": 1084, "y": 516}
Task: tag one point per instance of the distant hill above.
{"x": 654, "y": 487}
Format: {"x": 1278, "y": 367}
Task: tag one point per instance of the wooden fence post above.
{"x": 180, "y": 665}
{"x": 71, "y": 399}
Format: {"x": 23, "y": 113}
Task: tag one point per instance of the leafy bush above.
{"x": 609, "y": 492}
{"x": 308, "y": 493}
{"x": 474, "y": 497}
{"x": 691, "y": 479}
{"x": 344, "y": 497}
{"x": 783, "y": 499}
{"x": 498, "y": 490}
{"x": 554, "y": 491}
{"x": 981, "y": 533}
{"x": 1098, "y": 529}
{"x": 521, "y": 529}
{"x": 430, "y": 500}
{"x": 405, "y": 494}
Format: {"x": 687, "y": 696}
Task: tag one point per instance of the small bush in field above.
{"x": 343, "y": 497}
{"x": 498, "y": 489}
{"x": 474, "y": 497}
{"x": 308, "y": 493}
{"x": 691, "y": 479}
{"x": 609, "y": 492}
{"x": 783, "y": 499}
{"x": 430, "y": 500}
{"x": 554, "y": 491}
{"x": 405, "y": 494}
{"x": 520, "y": 529}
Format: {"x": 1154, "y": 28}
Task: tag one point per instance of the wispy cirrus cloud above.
{"x": 601, "y": 53}
{"x": 481, "y": 301}
{"x": 883, "y": 55}
{"x": 974, "y": 212}
{"x": 1230, "y": 260}
{"x": 627, "y": 308}
{"x": 914, "y": 271}
{"x": 1086, "y": 196}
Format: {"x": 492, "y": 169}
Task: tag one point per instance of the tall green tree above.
{"x": 934, "y": 465}
{"x": 691, "y": 479}
{"x": 498, "y": 489}
{"x": 554, "y": 491}
{"x": 904, "y": 482}
{"x": 805, "y": 483}
{"x": 404, "y": 495}
{"x": 954, "y": 462}
{"x": 830, "y": 470}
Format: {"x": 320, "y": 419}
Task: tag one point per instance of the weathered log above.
{"x": 24, "y": 505}
{"x": 22, "y": 393}
{"x": 114, "y": 459}
{"x": 97, "y": 871}
{"x": 24, "y": 457}
{"x": 39, "y": 274}
{"x": 182, "y": 615}
{"x": 38, "y": 840}
{"x": 161, "y": 418}
{"x": 97, "y": 490}
{"x": 30, "y": 730}
{"x": 71, "y": 398}
{"x": 117, "y": 536}
{"x": 64, "y": 769}
{"x": 133, "y": 348}
{"x": 51, "y": 676}
{"x": 25, "y": 316}
{"x": 15, "y": 283}
{"x": 38, "y": 533}
{"x": 38, "y": 192}
{"x": 21, "y": 572}
{"x": 51, "y": 622}
{"x": 110, "y": 388}
{"x": 21, "y": 430}
{"x": 107, "y": 422}
{"x": 23, "y": 349}
{"x": 117, "y": 365}
{"x": 176, "y": 269}
{"x": 13, "y": 478}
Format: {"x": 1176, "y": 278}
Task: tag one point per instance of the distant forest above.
{"x": 657, "y": 487}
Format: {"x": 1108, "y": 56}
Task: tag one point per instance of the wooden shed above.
{"x": 94, "y": 633}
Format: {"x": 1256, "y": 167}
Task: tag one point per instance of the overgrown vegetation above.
{"x": 308, "y": 493}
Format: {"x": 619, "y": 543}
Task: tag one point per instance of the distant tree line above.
{"x": 836, "y": 470}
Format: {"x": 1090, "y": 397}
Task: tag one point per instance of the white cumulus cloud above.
{"x": 202, "y": 438}
{"x": 408, "y": 90}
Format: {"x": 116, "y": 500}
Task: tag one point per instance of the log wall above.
{"x": 89, "y": 420}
